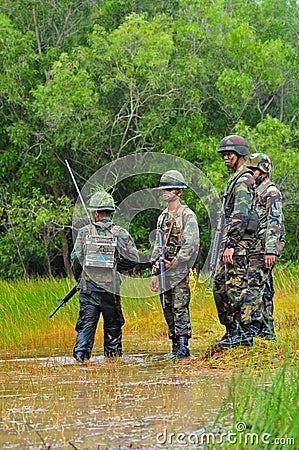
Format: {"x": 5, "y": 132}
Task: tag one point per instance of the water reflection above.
{"x": 128, "y": 403}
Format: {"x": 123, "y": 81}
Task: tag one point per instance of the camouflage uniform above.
{"x": 230, "y": 281}
{"x": 181, "y": 242}
{"x": 270, "y": 241}
{"x": 230, "y": 287}
{"x": 99, "y": 290}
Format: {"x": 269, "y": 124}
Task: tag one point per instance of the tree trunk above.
{"x": 65, "y": 253}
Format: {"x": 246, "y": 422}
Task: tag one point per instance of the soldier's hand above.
{"x": 270, "y": 260}
{"x": 227, "y": 256}
{"x": 167, "y": 263}
{"x": 153, "y": 284}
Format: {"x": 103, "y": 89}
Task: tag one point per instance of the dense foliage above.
{"x": 94, "y": 81}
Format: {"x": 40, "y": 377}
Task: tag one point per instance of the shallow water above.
{"x": 133, "y": 402}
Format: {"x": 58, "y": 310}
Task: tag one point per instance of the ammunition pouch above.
{"x": 253, "y": 223}
{"x": 171, "y": 251}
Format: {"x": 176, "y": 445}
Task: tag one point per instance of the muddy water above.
{"x": 135, "y": 402}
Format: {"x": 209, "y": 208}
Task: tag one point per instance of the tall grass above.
{"x": 24, "y": 315}
{"x": 262, "y": 412}
{"x": 25, "y": 325}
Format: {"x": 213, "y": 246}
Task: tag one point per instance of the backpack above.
{"x": 100, "y": 254}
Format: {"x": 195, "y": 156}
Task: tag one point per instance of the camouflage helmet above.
{"x": 260, "y": 161}
{"x": 172, "y": 179}
{"x": 234, "y": 143}
{"x": 101, "y": 201}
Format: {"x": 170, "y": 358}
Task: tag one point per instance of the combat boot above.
{"x": 267, "y": 330}
{"x": 113, "y": 353}
{"x": 242, "y": 335}
{"x": 183, "y": 350}
{"x": 80, "y": 357}
{"x": 255, "y": 328}
{"x": 175, "y": 345}
{"x": 230, "y": 329}
{"x": 247, "y": 332}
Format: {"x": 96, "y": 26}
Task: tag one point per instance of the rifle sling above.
{"x": 229, "y": 192}
{"x": 265, "y": 187}
{"x": 169, "y": 231}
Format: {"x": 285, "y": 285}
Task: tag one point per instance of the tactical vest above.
{"x": 262, "y": 188}
{"x": 253, "y": 219}
{"x": 261, "y": 202}
{"x": 172, "y": 231}
{"x": 100, "y": 254}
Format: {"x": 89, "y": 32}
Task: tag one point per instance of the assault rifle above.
{"x": 162, "y": 279}
{"x": 217, "y": 239}
{"x": 64, "y": 300}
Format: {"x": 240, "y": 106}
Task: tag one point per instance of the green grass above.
{"x": 25, "y": 326}
{"x": 264, "y": 391}
{"x": 261, "y": 412}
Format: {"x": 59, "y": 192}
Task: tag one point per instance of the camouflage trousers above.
{"x": 176, "y": 311}
{"x": 261, "y": 288}
{"x": 230, "y": 290}
{"x": 92, "y": 304}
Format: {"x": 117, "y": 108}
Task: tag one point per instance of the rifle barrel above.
{"x": 64, "y": 300}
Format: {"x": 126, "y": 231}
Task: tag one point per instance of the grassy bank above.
{"x": 27, "y": 329}
{"x": 261, "y": 412}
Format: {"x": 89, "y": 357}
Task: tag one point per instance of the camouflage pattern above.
{"x": 234, "y": 143}
{"x": 268, "y": 306}
{"x": 230, "y": 287}
{"x": 183, "y": 242}
{"x": 102, "y": 298}
{"x": 127, "y": 257}
{"x": 172, "y": 179}
{"x": 101, "y": 201}
{"x": 260, "y": 161}
{"x": 181, "y": 249}
{"x": 176, "y": 311}
{"x": 270, "y": 240}
{"x": 239, "y": 200}
{"x": 269, "y": 208}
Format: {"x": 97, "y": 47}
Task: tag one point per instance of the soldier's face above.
{"x": 230, "y": 159}
{"x": 256, "y": 173}
{"x": 170, "y": 195}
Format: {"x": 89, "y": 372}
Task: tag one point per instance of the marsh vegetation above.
{"x": 145, "y": 399}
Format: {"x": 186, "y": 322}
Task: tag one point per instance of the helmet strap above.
{"x": 235, "y": 166}
{"x": 259, "y": 179}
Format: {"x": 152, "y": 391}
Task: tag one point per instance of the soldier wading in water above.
{"x": 102, "y": 250}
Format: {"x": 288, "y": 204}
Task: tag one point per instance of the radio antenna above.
{"x": 79, "y": 193}
{"x": 252, "y": 141}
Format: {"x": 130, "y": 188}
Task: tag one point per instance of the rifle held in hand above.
{"x": 217, "y": 238}
{"x": 64, "y": 300}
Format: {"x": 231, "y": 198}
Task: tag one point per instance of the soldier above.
{"x": 100, "y": 251}
{"x": 269, "y": 245}
{"x": 230, "y": 282}
{"x": 179, "y": 228}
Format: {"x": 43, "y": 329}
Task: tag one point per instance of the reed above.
{"x": 260, "y": 412}
{"x": 25, "y": 326}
